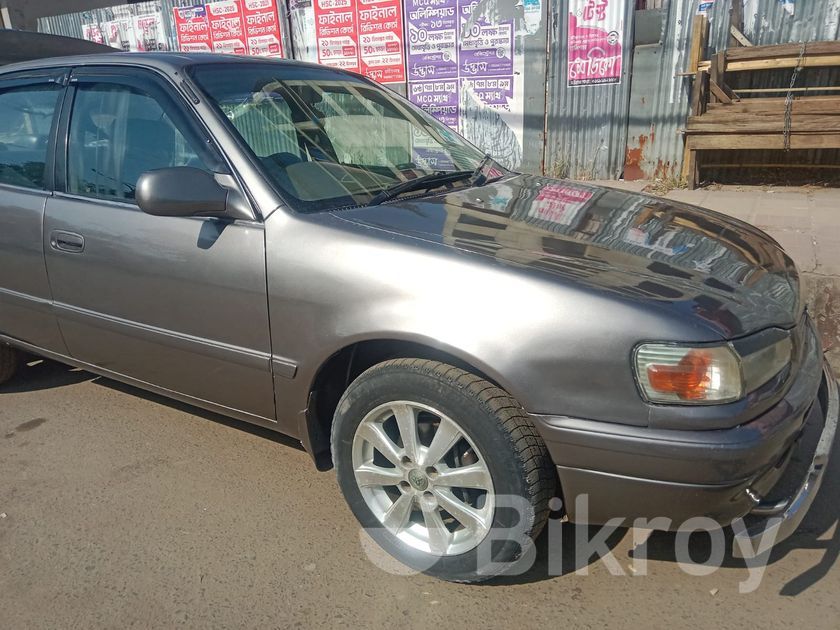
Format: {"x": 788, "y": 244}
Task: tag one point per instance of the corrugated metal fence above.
{"x": 632, "y": 128}
{"x": 659, "y": 100}
{"x": 586, "y": 126}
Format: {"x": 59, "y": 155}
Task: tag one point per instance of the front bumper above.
{"x": 781, "y": 518}
{"x": 640, "y": 473}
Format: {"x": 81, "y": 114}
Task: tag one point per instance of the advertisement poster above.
{"x": 596, "y": 30}
{"x": 92, "y": 33}
{"x": 262, "y": 28}
{"x": 431, "y": 28}
{"x": 463, "y": 68}
{"x": 120, "y": 34}
{"x": 192, "y": 29}
{"x": 227, "y": 33}
{"x": 496, "y": 92}
{"x": 381, "y": 40}
{"x": 446, "y": 39}
{"x": 336, "y": 35}
{"x": 148, "y": 33}
{"x": 486, "y": 48}
{"x": 437, "y": 98}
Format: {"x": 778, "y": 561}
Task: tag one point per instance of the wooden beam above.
{"x": 716, "y": 74}
{"x": 761, "y": 141}
{"x": 810, "y": 61}
{"x": 699, "y": 30}
{"x": 772, "y": 165}
{"x": 699, "y": 92}
{"x": 690, "y": 171}
{"x": 736, "y": 22}
{"x": 739, "y": 37}
{"x": 823, "y": 105}
{"x": 750, "y": 123}
{"x": 796, "y": 89}
{"x": 720, "y": 94}
{"x": 783, "y": 50}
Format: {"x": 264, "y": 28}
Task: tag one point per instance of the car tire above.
{"x": 8, "y": 363}
{"x": 483, "y": 527}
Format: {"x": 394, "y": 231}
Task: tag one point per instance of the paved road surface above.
{"x": 125, "y": 510}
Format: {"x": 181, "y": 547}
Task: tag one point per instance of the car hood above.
{"x": 726, "y": 273}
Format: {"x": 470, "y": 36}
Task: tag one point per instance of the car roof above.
{"x": 164, "y": 61}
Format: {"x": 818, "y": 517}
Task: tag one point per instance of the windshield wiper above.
{"x": 480, "y": 177}
{"x": 426, "y": 182}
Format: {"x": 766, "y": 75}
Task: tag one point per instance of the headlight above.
{"x": 703, "y": 375}
{"x": 686, "y": 375}
{"x": 762, "y": 365}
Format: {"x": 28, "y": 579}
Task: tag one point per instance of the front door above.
{"x": 179, "y": 303}
{"x": 28, "y": 111}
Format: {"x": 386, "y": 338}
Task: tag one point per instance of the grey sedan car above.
{"x": 297, "y": 247}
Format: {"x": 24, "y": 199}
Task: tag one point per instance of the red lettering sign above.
{"x": 192, "y": 29}
{"x": 381, "y": 40}
{"x": 262, "y": 28}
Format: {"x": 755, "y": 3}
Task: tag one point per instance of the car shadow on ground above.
{"x": 558, "y": 553}
{"x": 820, "y": 530}
{"x": 557, "y": 550}
{"x": 36, "y": 374}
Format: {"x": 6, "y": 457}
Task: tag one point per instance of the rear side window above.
{"x": 117, "y": 133}
{"x": 26, "y": 116}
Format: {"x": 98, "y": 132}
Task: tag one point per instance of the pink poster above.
{"x": 596, "y": 30}
{"x": 192, "y": 28}
{"x": 262, "y": 28}
{"x": 93, "y": 33}
{"x": 336, "y": 33}
{"x": 227, "y": 31}
{"x": 148, "y": 33}
{"x": 120, "y": 34}
{"x": 381, "y": 40}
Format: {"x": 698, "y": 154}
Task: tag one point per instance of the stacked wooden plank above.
{"x": 725, "y": 119}
{"x": 817, "y": 55}
{"x": 759, "y": 123}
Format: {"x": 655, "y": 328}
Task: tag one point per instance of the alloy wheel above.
{"x": 423, "y": 478}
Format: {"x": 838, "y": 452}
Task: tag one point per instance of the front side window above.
{"x": 117, "y": 133}
{"x": 26, "y": 116}
{"x": 329, "y": 139}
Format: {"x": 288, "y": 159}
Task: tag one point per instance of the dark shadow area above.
{"x": 241, "y": 425}
{"x": 823, "y": 519}
{"x": 210, "y": 232}
{"x": 557, "y": 553}
{"x": 36, "y": 374}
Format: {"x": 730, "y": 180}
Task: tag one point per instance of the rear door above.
{"x": 179, "y": 303}
{"x": 28, "y": 116}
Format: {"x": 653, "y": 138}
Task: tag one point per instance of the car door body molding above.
{"x": 148, "y": 300}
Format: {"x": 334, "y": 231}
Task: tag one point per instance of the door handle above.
{"x": 67, "y": 242}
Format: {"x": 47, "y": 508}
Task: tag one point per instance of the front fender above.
{"x": 557, "y": 348}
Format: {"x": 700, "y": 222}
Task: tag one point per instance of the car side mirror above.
{"x": 184, "y": 191}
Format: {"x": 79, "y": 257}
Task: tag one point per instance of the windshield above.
{"x": 329, "y": 139}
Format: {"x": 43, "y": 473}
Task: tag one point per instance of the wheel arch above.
{"x": 342, "y": 367}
